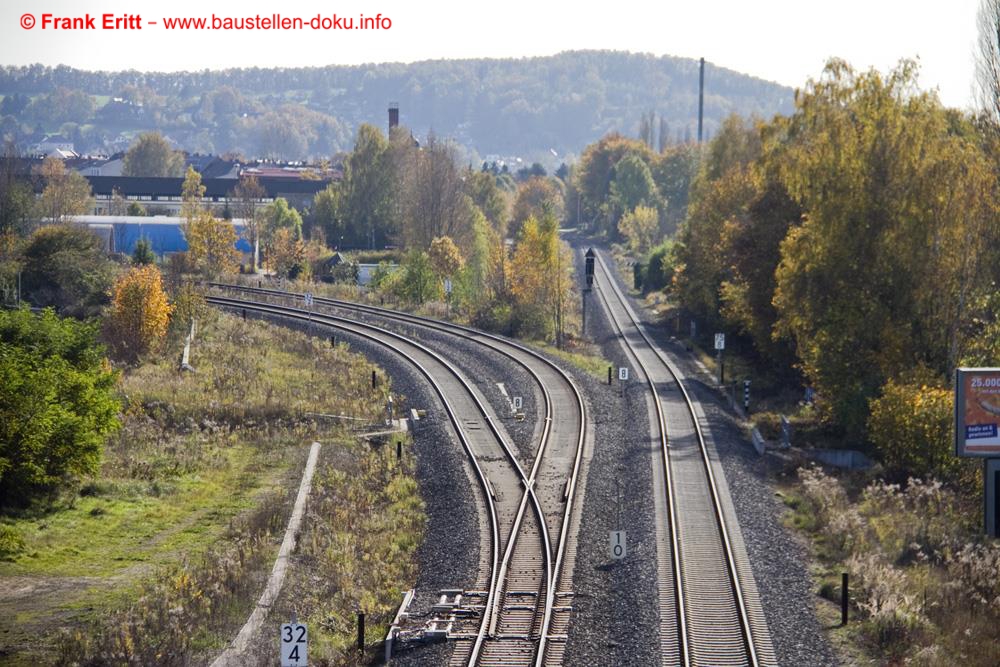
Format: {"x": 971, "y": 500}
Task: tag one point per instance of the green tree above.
{"x": 143, "y": 253}
{"x": 57, "y": 403}
{"x": 66, "y": 193}
{"x": 136, "y": 209}
{"x": 482, "y": 188}
{"x": 151, "y": 155}
{"x": 327, "y": 214}
{"x": 66, "y": 267}
{"x": 418, "y": 283}
{"x": 368, "y": 187}
{"x": 633, "y": 185}
{"x": 16, "y": 198}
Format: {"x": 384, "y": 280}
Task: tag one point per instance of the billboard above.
{"x": 977, "y": 412}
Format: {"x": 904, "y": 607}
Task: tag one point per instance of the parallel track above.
{"x": 527, "y": 615}
{"x": 707, "y": 586}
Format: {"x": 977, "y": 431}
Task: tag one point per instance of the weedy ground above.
{"x": 924, "y": 586}
{"x": 160, "y": 556}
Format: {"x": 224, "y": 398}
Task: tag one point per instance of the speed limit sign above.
{"x": 294, "y": 645}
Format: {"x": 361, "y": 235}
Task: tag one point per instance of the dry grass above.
{"x": 925, "y": 587}
{"x": 178, "y": 527}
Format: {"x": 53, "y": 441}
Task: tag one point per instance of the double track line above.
{"x": 527, "y": 612}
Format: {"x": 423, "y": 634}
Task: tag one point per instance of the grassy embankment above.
{"x": 160, "y": 556}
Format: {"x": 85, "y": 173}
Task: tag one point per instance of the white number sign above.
{"x": 518, "y": 402}
{"x": 308, "y": 298}
{"x": 622, "y": 374}
{"x": 619, "y": 548}
{"x": 720, "y": 341}
{"x": 294, "y": 645}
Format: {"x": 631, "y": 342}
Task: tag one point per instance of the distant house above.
{"x": 55, "y": 145}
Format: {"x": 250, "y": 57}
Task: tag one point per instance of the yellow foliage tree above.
{"x": 445, "y": 257}
{"x": 140, "y": 312}
{"x": 641, "y": 227}
{"x": 287, "y": 253}
{"x": 540, "y": 279}
{"x": 211, "y": 244}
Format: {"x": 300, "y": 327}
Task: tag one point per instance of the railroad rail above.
{"x": 710, "y": 609}
{"x": 527, "y": 613}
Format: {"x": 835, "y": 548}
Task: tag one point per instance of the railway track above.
{"x": 710, "y": 612}
{"x": 528, "y": 603}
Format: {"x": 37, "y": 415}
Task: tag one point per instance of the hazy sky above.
{"x": 781, "y": 40}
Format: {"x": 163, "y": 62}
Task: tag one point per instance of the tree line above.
{"x": 853, "y": 245}
{"x": 523, "y": 107}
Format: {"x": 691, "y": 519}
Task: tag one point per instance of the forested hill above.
{"x": 525, "y": 107}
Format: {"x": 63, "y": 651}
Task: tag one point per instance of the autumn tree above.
{"x": 277, "y": 217}
{"x": 140, "y": 312}
{"x": 66, "y": 193}
{"x": 192, "y": 195}
{"x": 537, "y": 197}
{"x": 640, "y": 227}
{"x": 541, "y": 280}
{"x": 899, "y": 222}
{"x": 445, "y": 257}
{"x": 151, "y": 155}
{"x": 249, "y": 195}
{"x": 432, "y": 197}
{"x": 721, "y": 195}
{"x": 287, "y": 253}
{"x": 211, "y": 244}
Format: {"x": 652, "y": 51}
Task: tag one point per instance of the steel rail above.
{"x": 496, "y": 343}
{"x": 744, "y": 621}
{"x": 528, "y": 497}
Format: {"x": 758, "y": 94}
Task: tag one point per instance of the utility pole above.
{"x": 701, "y": 97}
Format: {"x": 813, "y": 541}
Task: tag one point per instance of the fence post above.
{"x": 844, "y": 597}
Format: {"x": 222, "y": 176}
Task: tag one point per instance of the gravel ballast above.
{"x": 779, "y": 561}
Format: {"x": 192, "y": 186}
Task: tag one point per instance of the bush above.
{"x": 66, "y": 267}
{"x": 910, "y": 425}
{"x": 11, "y": 542}
{"x": 57, "y": 403}
{"x": 659, "y": 268}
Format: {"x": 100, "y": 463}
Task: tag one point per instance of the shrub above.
{"x": 139, "y": 312}
{"x": 911, "y": 426}
{"x": 57, "y": 402}
{"x": 11, "y": 542}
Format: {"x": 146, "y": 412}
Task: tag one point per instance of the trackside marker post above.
{"x": 294, "y": 645}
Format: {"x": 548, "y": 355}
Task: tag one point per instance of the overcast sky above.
{"x": 781, "y": 40}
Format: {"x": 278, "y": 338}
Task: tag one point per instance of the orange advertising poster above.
{"x": 980, "y": 411}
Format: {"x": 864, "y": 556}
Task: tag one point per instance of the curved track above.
{"x": 527, "y": 612}
{"x": 710, "y": 610}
